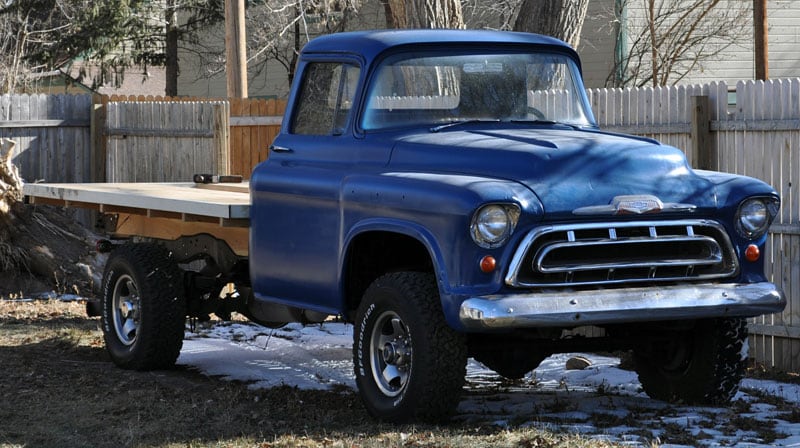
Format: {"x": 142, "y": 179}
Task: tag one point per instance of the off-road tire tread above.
{"x": 731, "y": 362}
{"x": 163, "y": 303}
{"x": 438, "y": 391}
{"x": 715, "y": 372}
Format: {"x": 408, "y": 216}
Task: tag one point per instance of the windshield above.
{"x": 419, "y": 89}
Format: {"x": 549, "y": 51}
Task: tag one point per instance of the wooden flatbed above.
{"x": 160, "y": 210}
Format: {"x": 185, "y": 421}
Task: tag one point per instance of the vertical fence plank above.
{"x": 236, "y": 139}
{"x": 263, "y": 131}
{"x": 247, "y": 143}
{"x": 701, "y": 142}
{"x": 719, "y": 112}
{"x": 222, "y": 137}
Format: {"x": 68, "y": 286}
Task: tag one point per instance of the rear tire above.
{"x": 409, "y": 364}
{"x": 144, "y": 308}
{"x": 700, "y": 366}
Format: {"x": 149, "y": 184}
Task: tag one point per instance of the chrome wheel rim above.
{"x": 390, "y": 352}
{"x": 126, "y": 310}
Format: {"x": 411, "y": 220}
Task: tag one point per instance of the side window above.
{"x": 326, "y": 98}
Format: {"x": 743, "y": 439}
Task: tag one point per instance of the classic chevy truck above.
{"x": 450, "y": 195}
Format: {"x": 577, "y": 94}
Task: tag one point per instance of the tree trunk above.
{"x": 171, "y": 47}
{"x": 297, "y": 46}
{"x": 562, "y": 19}
{"x": 417, "y": 14}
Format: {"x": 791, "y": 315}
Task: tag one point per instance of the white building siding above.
{"x": 596, "y": 47}
{"x": 737, "y": 62}
{"x": 784, "y": 38}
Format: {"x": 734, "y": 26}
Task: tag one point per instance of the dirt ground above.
{"x": 58, "y": 388}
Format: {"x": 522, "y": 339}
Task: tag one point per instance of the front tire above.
{"x": 703, "y": 365}
{"x": 409, "y": 364}
{"x": 144, "y": 308}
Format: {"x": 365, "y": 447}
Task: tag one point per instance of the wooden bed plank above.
{"x": 229, "y": 202}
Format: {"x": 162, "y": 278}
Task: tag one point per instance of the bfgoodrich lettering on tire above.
{"x": 144, "y": 309}
{"x": 409, "y": 364}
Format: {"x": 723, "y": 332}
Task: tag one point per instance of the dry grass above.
{"x": 59, "y": 389}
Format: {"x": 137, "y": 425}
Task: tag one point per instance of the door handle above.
{"x": 276, "y": 148}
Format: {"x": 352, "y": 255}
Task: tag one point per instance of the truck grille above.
{"x": 623, "y": 252}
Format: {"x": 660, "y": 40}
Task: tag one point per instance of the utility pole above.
{"x": 235, "y": 49}
{"x": 760, "y": 29}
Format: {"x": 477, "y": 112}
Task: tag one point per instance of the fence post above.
{"x": 97, "y": 124}
{"x": 222, "y": 126}
{"x": 701, "y": 132}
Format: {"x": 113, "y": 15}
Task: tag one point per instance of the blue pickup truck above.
{"x": 450, "y": 194}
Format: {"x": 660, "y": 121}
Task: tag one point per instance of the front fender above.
{"x": 436, "y": 210}
{"x": 402, "y": 227}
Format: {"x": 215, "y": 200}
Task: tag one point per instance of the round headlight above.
{"x": 753, "y": 218}
{"x": 493, "y": 224}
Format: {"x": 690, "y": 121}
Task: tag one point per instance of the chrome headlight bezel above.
{"x": 755, "y": 215}
{"x": 493, "y": 224}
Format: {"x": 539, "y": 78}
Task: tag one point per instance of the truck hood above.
{"x": 566, "y": 169}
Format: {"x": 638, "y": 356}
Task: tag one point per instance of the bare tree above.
{"x": 47, "y": 35}
{"x": 419, "y": 14}
{"x": 562, "y": 19}
{"x": 667, "y": 39}
{"x": 42, "y": 37}
{"x": 21, "y": 32}
{"x": 278, "y": 29}
{"x": 495, "y": 15}
{"x": 13, "y": 70}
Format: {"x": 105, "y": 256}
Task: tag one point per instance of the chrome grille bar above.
{"x": 623, "y": 252}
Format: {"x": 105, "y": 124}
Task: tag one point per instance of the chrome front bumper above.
{"x": 609, "y": 306}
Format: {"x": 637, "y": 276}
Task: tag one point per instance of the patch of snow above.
{"x": 601, "y": 401}
{"x": 306, "y": 357}
{"x": 47, "y": 295}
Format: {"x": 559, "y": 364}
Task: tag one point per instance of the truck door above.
{"x": 295, "y": 214}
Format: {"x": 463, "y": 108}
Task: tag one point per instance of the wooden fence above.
{"x": 164, "y": 141}
{"x": 254, "y": 124}
{"x": 174, "y": 137}
{"x": 754, "y": 133}
{"x": 52, "y": 134}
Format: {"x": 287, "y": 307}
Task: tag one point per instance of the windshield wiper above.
{"x": 460, "y": 122}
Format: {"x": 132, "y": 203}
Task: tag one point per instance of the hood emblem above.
{"x": 634, "y": 205}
